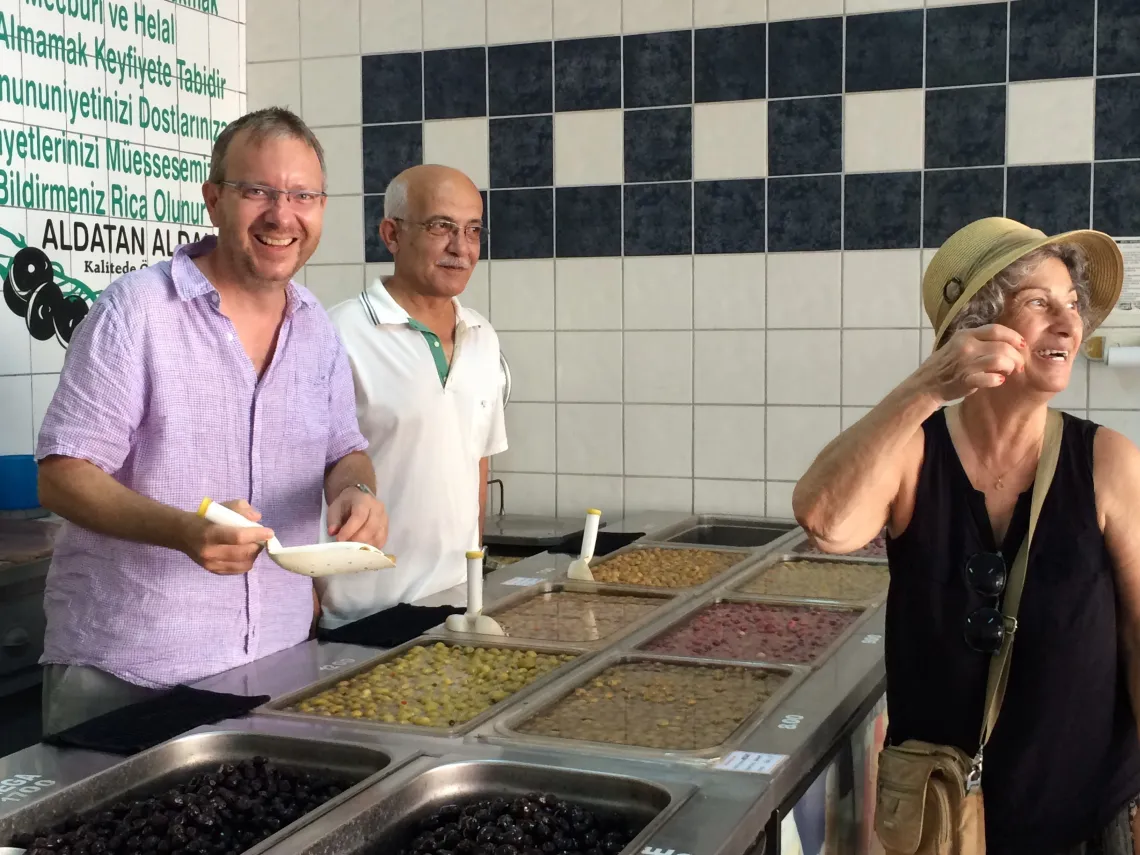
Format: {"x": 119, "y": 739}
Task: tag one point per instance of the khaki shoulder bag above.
{"x": 929, "y": 798}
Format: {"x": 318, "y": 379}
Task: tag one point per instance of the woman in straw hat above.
{"x": 953, "y": 484}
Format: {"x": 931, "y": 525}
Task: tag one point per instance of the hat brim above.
{"x": 1105, "y": 269}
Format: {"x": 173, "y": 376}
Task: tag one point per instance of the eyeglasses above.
{"x": 439, "y": 227}
{"x": 262, "y": 194}
{"x": 986, "y": 628}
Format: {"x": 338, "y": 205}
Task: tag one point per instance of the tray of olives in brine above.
{"x": 667, "y": 565}
{"x": 446, "y": 686}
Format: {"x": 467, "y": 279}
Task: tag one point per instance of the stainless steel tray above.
{"x": 746, "y": 556}
{"x": 390, "y": 813}
{"x": 157, "y": 769}
{"x": 713, "y": 530}
{"x": 505, "y": 728}
{"x": 665, "y": 595}
{"x": 736, "y": 586}
{"x": 279, "y": 706}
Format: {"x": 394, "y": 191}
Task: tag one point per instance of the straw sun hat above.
{"x": 976, "y": 253}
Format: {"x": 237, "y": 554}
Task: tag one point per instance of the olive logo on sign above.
{"x": 36, "y": 289}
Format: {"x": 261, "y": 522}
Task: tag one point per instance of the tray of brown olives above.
{"x": 667, "y": 566}
{"x": 206, "y": 793}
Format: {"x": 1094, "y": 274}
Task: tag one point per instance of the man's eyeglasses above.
{"x": 986, "y": 629}
{"x": 262, "y": 194}
{"x": 440, "y": 227}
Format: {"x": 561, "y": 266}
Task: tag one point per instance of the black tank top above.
{"x": 1064, "y": 757}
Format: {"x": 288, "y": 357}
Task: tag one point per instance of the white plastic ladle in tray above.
{"x": 580, "y": 567}
{"x": 318, "y": 559}
{"x": 474, "y": 621}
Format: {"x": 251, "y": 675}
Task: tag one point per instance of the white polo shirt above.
{"x": 426, "y": 436}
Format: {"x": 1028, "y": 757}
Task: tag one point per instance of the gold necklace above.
{"x": 999, "y": 482}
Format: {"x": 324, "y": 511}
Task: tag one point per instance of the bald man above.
{"x": 428, "y": 393}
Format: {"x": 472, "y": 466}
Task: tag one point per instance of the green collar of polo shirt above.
{"x": 436, "y": 348}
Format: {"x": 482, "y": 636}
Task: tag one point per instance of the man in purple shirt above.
{"x": 211, "y": 375}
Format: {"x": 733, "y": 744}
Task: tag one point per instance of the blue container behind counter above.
{"x": 18, "y": 482}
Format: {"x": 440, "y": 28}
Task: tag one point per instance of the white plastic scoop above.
{"x": 580, "y": 567}
{"x": 316, "y": 560}
{"x": 474, "y": 621}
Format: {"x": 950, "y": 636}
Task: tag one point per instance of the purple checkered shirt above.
{"x": 158, "y": 392}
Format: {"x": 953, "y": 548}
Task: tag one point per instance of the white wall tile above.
{"x": 343, "y": 159}
{"x": 330, "y": 27}
{"x": 589, "y": 147}
{"x": 16, "y": 426}
{"x": 855, "y": 7}
{"x": 274, "y": 84}
{"x": 1076, "y": 394}
{"x": 795, "y": 436}
{"x": 803, "y": 367}
{"x": 531, "y": 358}
{"x": 577, "y": 493}
{"x": 334, "y": 283}
{"x": 509, "y": 21}
{"x": 575, "y": 19}
{"x": 882, "y": 288}
{"x": 527, "y": 493}
{"x": 658, "y": 494}
{"x": 477, "y": 294}
{"x": 530, "y": 431}
{"x": 658, "y": 292}
{"x": 883, "y": 131}
{"x": 787, "y": 10}
{"x": 658, "y": 440}
{"x": 47, "y": 356}
{"x": 390, "y": 25}
{"x": 1113, "y": 388}
{"x": 1051, "y": 121}
{"x": 588, "y": 292}
{"x": 779, "y": 500}
{"x": 745, "y": 498}
{"x": 651, "y": 16}
{"x": 875, "y": 361}
{"x": 723, "y": 13}
{"x": 342, "y": 238}
{"x": 729, "y": 442}
{"x": 729, "y": 367}
{"x": 589, "y": 366}
{"x": 730, "y": 140}
{"x": 522, "y": 294}
{"x": 804, "y": 289}
{"x": 937, "y": 3}
{"x": 330, "y": 91}
{"x": 273, "y": 30}
{"x": 224, "y": 37}
{"x": 454, "y": 23}
{"x": 590, "y": 439}
{"x": 658, "y": 367}
{"x": 729, "y": 291}
{"x": 1126, "y": 422}
{"x": 462, "y": 144}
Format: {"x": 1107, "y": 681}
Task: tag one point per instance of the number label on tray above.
{"x": 656, "y": 850}
{"x": 523, "y": 581}
{"x": 338, "y": 664}
{"x": 872, "y": 639}
{"x": 19, "y": 787}
{"x": 790, "y": 722}
{"x": 751, "y": 761}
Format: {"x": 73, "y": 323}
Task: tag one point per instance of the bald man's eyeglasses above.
{"x": 440, "y": 227}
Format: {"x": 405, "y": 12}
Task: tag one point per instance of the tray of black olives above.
{"x": 207, "y": 793}
{"x": 452, "y": 806}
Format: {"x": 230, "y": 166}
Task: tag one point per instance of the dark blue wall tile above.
{"x": 729, "y": 216}
{"x": 1117, "y": 118}
{"x": 587, "y": 221}
{"x": 1118, "y": 37}
{"x": 659, "y": 144}
{"x": 729, "y": 63}
{"x": 658, "y": 219}
{"x": 1116, "y": 198}
{"x": 455, "y": 83}
{"x": 587, "y": 74}
{"x": 966, "y": 44}
{"x": 388, "y": 151}
{"x": 658, "y": 69}
{"x": 805, "y": 136}
{"x": 1051, "y": 198}
{"x": 884, "y": 51}
{"x": 1050, "y": 38}
{"x": 391, "y": 86}
{"x": 955, "y": 197}
{"x": 522, "y": 224}
{"x": 522, "y": 152}
{"x": 882, "y": 210}
{"x": 804, "y": 213}
{"x": 805, "y": 57}
{"x": 518, "y": 78}
{"x": 965, "y": 127}
{"x": 375, "y": 251}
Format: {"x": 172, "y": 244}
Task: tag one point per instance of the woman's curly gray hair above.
{"x": 988, "y": 304}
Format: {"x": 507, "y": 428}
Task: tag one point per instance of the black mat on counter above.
{"x": 607, "y": 542}
{"x": 135, "y": 728}
{"x": 391, "y": 627}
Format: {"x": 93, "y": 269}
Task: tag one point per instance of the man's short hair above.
{"x": 264, "y": 124}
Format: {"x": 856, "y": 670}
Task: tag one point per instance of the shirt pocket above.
{"x": 476, "y": 409}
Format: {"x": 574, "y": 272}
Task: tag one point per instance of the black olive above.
{"x": 513, "y": 836}
{"x": 506, "y": 849}
{"x": 549, "y": 848}
{"x": 505, "y": 821}
{"x": 487, "y": 834}
{"x": 23, "y": 841}
{"x": 593, "y": 850}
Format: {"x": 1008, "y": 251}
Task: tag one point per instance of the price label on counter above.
{"x": 660, "y": 850}
{"x": 751, "y": 761}
{"x": 523, "y": 581}
{"x": 338, "y": 664}
{"x": 872, "y": 639}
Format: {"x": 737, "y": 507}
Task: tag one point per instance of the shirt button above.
{"x": 436, "y": 344}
